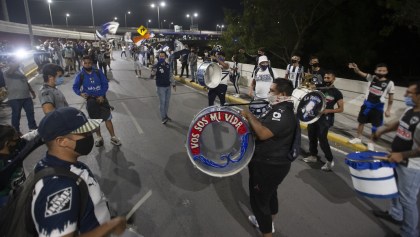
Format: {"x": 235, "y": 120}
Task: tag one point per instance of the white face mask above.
{"x": 275, "y": 99}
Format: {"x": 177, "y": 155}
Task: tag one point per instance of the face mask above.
{"x": 84, "y": 146}
{"x": 409, "y": 101}
{"x": 206, "y": 54}
{"x": 264, "y": 67}
{"x": 328, "y": 83}
{"x": 59, "y": 81}
{"x": 380, "y": 76}
{"x": 315, "y": 65}
{"x": 161, "y": 60}
{"x": 294, "y": 61}
{"x": 88, "y": 69}
{"x": 275, "y": 99}
{"x": 221, "y": 59}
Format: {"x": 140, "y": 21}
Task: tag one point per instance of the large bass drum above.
{"x": 220, "y": 142}
{"x": 308, "y": 104}
{"x": 209, "y": 74}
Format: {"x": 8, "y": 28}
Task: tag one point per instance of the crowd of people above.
{"x": 67, "y": 132}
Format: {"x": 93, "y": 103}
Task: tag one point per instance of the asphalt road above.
{"x": 186, "y": 202}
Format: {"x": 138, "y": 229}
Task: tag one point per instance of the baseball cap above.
{"x": 262, "y": 59}
{"x": 66, "y": 120}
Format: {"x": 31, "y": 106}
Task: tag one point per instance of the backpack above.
{"x": 16, "y": 218}
{"x": 295, "y": 148}
{"x": 270, "y": 70}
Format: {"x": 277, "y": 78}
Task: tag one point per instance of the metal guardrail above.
{"x": 18, "y": 28}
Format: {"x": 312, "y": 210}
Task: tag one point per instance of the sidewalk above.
{"x": 344, "y": 129}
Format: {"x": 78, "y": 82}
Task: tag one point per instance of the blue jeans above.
{"x": 405, "y": 206}
{"x": 164, "y": 94}
{"x": 28, "y": 106}
{"x": 193, "y": 70}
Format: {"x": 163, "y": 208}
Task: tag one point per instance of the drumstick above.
{"x": 379, "y": 157}
{"x": 256, "y": 103}
{"x": 138, "y": 204}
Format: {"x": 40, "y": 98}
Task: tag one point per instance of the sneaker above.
{"x": 386, "y": 216}
{"x": 110, "y": 69}
{"x": 169, "y": 119}
{"x": 328, "y": 166}
{"x": 310, "y": 159}
{"x": 165, "y": 120}
{"x": 99, "y": 142}
{"x": 236, "y": 95}
{"x": 137, "y": 76}
{"x": 254, "y": 222}
{"x": 115, "y": 141}
{"x": 355, "y": 140}
{"x": 371, "y": 146}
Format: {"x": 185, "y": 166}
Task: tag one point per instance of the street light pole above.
{"x": 93, "y": 19}
{"x": 147, "y": 23}
{"x": 28, "y": 20}
{"x": 49, "y": 7}
{"x": 67, "y": 23}
{"x": 125, "y": 16}
{"x": 162, "y": 4}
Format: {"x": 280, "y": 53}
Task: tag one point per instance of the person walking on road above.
{"x": 270, "y": 163}
{"x": 372, "y": 110}
{"x": 19, "y": 95}
{"x": 92, "y": 85}
{"x": 318, "y": 131}
{"x": 50, "y": 96}
{"x": 192, "y": 61}
{"x": 234, "y": 75}
{"x": 404, "y": 209}
{"x": 164, "y": 81}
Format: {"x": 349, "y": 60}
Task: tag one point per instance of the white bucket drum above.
{"x": 308, "y": 104}
{"x": 209, "y": 74}
{"x": 373, "y": 178}
{"x": 219, "y": 141}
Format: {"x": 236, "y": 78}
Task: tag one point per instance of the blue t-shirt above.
{"x": 94, "y": 84}
{"x": 56, "y": 201}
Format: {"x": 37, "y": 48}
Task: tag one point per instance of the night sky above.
{"x": 210, "y": 12}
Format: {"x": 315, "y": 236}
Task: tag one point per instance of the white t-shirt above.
{"x": 263, "y": 81}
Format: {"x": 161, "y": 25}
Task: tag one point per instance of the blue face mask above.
{"x": 409, "y": 101}
{"x": 161, "y": 60}
{"x": 59, "y": 81}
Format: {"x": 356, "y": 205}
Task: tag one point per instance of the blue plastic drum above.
{"x": 371, "y": 177}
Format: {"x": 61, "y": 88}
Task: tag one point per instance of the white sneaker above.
{"x": 355, "y": 140}
{"x": 328, "y": 166}
{"x": 115, "y": 141}
{"x": 371, "y": 146}
{"x": 137, "y": 76}
{"x": 310, "y": 159}
{"x": 254, "y": 222}
{"x": 236, "y": 95}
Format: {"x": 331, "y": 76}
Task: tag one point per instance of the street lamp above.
{"x": 49, "y": 7}
{"x": 221, "y": 29}
{"x": 162, "y": 4}
{"x": 115, "y": 18}
{"x": 125, "y": 17}
{"x": 192, "y": 17}
{"x": 67, "y": 23}
{"x": 172, "y": 24}
{"x": 147, "y": 23}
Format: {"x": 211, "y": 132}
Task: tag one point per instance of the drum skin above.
{"x": 209, "y": 74}
{"x": 308, "y": 104}
{"x": 219, "y": 141}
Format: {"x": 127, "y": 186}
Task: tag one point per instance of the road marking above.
{"x": 133, "y": 119}
{"x": 332, "y": 148}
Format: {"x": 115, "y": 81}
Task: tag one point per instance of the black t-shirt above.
{"x": 332, "y": 96}
{"x": 281, "y": 121}
{"x": 317, "y": 77}
{"x": 403, "y": 140}
{"x": 377, "y": 89}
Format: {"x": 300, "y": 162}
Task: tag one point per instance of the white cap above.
{"x": 262, "y": 59}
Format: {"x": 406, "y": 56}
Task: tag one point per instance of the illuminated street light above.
{"x": 67, "y": 23}
{"x": 147, "y": 23}
{"x": 49, "y": 7}
{"x": 161, "y": 4}
{"x": 125, "y": 17}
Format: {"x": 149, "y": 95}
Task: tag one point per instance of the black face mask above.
{"x": 315, "y": 65}
{"x": 328, "y": 83}
{"x": 380, "y": 76}
{"x": 84, "y": 146}
{"x": 88, "y": 69}
{"x": 15, "y": 147}
{"x": 294, "y": 61}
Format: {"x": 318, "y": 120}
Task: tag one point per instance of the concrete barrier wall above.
{"x": 353, "y": 91}
{"x": 17, "y": 28}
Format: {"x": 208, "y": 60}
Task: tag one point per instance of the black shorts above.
{"x": 374, "y": 117}
{"x": 98, "y": 111}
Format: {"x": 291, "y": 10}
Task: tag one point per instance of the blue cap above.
{"x": 64, "y": 121}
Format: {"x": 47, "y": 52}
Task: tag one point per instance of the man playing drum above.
{"x": 319, "y": 129}
{"x": 270, "y": 163}
{"x": 220, "y": 90}
{"x": 404, "y": 208}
